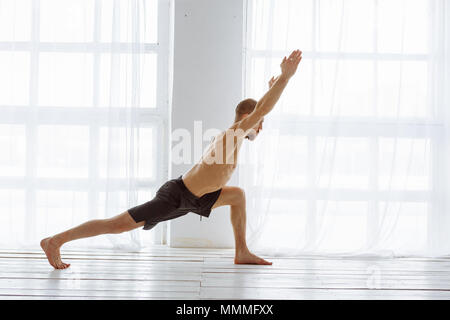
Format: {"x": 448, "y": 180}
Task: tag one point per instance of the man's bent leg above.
{"x": 118, "y": 224}
{"x": 235, "y": 198}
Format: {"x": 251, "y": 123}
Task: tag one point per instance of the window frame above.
{"x": 313, "y": 126}
{"x": 93, "y": 117}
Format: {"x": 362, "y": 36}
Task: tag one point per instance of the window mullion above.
{"x": 165, "y": 32}
{"x": 32, "y": 126}
{"x": 93, "y": 194}
{"x": 312, "y": 170}
{"x": 373, "y": 205}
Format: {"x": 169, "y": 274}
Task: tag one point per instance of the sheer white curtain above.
{"x": 83, "y": 105}
{"x": 354, "y": 158}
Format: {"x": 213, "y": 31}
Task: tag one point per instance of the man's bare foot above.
{"x": 52, "y": 252}
{"x": 247, "y": 257}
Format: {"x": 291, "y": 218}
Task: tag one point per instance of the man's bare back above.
{"x": 216, "y": 166}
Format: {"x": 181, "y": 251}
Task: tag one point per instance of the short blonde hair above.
{"x": 244, "y": 107}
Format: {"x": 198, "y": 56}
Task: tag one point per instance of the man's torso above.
{"x": 216, "y": 166}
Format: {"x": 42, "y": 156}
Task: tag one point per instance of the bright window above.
{"x": 359, "y": 126}
{"x": 83, "y": 110}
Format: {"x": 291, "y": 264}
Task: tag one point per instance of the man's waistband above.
{"x": 185, "y": 190}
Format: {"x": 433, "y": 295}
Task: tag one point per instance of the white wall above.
{"x": 207, "y": 85}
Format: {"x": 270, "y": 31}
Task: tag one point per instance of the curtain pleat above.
{"x": 77, "y": 76}
{"x": 353, "y": 159}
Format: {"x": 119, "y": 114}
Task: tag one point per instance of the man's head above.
{"x": 243, "y": 109}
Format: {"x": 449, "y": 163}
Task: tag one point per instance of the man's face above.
{"x": 256, "y": 129}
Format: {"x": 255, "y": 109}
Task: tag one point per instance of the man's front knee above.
{"x": 239, "y": 196}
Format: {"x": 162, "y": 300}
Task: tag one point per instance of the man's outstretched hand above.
{"x": 289, "y": 65}
{"x": 277, "y": 85}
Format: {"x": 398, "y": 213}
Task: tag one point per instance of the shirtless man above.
{"x": 202, "y": 188}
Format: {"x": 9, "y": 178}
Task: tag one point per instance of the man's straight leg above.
{"x": 118, "y": 224}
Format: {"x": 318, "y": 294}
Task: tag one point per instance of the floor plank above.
{"x": 195, "y": 273}
{"x": 320, "y": 294}
{"x": 99, "y": 294}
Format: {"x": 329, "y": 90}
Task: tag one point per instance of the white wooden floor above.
{"x": 176, "y": 273}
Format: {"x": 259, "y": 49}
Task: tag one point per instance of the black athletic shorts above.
{"x": 173, "y": 200}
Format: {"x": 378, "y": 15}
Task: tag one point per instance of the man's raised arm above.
{"x": 277, "y": 85}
